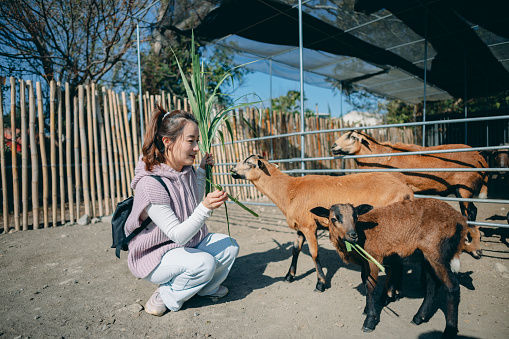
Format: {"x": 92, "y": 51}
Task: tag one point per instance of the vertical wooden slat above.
{"x": 152, "y": 104}
{"x": 3, "y": 166}
{"x": 107, "y": 129}
{"x": 115, "y": 147}
{"x": 96, "y": 151}
{"x": 60, "y": 123}
{"x": 131, "y": 161}
{"x": 90, "y": 163}
{"x": 77, "y": 164}
{"x": 170, "y": 108}
{"x": 24, "y": 154}
{"x": 118, "y": 143}
{"x": 104, "y": 158}
{"x": 163, "y": 100}
{"x": 84, "y": 154}
{"x": 34, "y": 158}
{"x": 14, "y": 157}
{"x": 134, "y": 125}
{"x": 68, "y": 153}
{"x": 122, "y": 146}
{"x": 53, "y": 155}
{"x": 44, "y": 157}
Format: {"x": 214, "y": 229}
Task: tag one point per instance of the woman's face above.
{"x": 183, "y": 151}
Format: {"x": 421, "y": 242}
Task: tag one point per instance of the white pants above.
{"x": 184, "y": 271}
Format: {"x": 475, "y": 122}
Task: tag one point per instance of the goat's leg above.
{"x": 393, "y": 283}
{"x": 431, "y": 286}
{"x": 452, "y": 297}
{"x": 468, "y": 209}
{"x": 310, "y": 234}
{"x": 370, "y": 277}
{"x": 297, "y": 247}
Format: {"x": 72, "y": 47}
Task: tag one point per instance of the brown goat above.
{"x": 463, "y": 184}
{"x": 297, "y": 196}
{"x": 393, "y": 232}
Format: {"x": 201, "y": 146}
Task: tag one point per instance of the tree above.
{"x": 71, "y": 41}
{"x": 289, "y": 103}
{"x": 160, "y": 70}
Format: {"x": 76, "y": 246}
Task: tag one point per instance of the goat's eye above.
{"x": 333, "y": 220}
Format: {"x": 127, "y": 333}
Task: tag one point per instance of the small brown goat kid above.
{"x": 393, "y": 232}
{"x": 297, "y": 196}
{"x": 463, "y": 184}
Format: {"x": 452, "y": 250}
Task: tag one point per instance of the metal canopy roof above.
{"x": 376, "y": 45}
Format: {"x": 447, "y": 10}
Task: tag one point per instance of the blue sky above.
{"x": 259, "y": 83}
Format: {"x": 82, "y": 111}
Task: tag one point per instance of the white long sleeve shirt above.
{"x": 181, "y": 232}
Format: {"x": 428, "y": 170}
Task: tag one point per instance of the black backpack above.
{"x": 119, "y": 218}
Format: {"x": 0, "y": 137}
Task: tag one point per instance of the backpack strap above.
{"x": 144, "y": 224}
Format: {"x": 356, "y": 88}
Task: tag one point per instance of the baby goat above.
{"x": 393, "y": 232}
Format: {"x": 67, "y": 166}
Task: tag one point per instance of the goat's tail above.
{"x": 483, "y": 193}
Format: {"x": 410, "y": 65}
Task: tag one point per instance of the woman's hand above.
{"x": 215, "y": 199}
{"x": 208, "y": 159}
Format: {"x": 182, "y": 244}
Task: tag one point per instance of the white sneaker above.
{"x": 221, "y": 292}
{"x": 155, "y": 305}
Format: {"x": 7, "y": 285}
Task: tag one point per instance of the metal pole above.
{"x": 465, "y": 64}
{"x": 341, "y": 99}
{"x": 425, "y": 71}
{"x": 301, "y": 66}
{"x": 139, "y": 83}
{"x": 270, "y": 113}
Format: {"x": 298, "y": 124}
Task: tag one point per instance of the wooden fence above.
{"x": 83, "y": 150}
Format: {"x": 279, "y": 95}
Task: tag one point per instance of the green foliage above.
{"x": 290, "y": 103}
{"x": 161, "y": 70}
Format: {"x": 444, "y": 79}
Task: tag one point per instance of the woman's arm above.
{"x": 164, "y": 217}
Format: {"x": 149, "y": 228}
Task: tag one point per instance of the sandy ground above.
{"x": 66, "y": 282}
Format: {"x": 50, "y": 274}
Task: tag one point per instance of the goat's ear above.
{"x": 321, "y": 212}
{"x": 363, "y": 209}
{"x": 260, "y": 164}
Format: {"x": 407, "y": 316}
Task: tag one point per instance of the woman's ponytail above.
{"x": 153, "y": 147}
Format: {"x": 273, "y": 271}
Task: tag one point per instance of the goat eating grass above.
{"x": 396, "y": 231}
{"x": 297, "y": 196}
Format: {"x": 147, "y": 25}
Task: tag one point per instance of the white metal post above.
{"x": 301, "y": 66}
{"x": 139, "y": 83}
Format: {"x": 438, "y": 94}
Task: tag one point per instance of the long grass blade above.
{"x": 218, "y": 187}
{"x": 362, "y": 252}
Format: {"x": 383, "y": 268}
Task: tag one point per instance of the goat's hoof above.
{"x": 417, "y": 320}
{"x": 367, "y": 330}
{"x": 370, "y": 323}
{"x": 320, "y": 287}
{"x": 289, "y": 278}
{"x": 450, "y": 332}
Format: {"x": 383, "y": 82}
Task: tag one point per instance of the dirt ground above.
{"x": 66, "y": 282}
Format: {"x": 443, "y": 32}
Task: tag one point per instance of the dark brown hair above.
{"x": 162, "y": 125}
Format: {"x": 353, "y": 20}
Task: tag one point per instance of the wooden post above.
{"x": 24, "y": 154}
{"x": 107, "y": 128}
{"x": 14, "y": 157}
{"x": 131, "y": 163}
{"x": 152, "y": 104}
{"x": 3, "y": 166}
{"x": 96, "y": 151}
{"x": 123, "y": 135}
{"x": 77, "y": 164}
{"x": 44, "y": 158}
{"x": 68, "y": 151}
{"x": 115, "y": 149}
{"x": 163, "y": 100}
{"x": 90, "y": 163}
{"x": 104, "y": 157}
{"x": 120, "y": 144}
{"x": 83, "y": 142}
{"x": 33, "y": 153}
{"x": 53, "y": 153}
{"x": 135, "y": 129}
{"x": 169, "y": 103}
{"x": 60, "y": 123}
{"x": 147, "y": 110}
